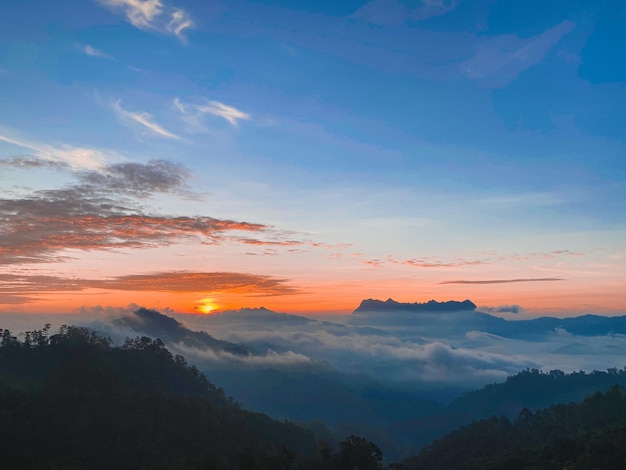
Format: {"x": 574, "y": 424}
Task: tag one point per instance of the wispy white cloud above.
{"x": 501, "y": 59}
{"x": 179, "y": 22}
{"x": 140, "y": 13}
{"x": 143, "y": 119}
{"x": 3, "y": 71}
{"x": 76, "y": 157}
{"x": 193, "y": 112}
{"x": 93, "y": 52}
{"x": 153, "y": 15}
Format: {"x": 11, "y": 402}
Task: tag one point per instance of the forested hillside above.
{"x": 532, "y": 389}
{"x": 589, "y": 435}
{"x": 71, "y": 400}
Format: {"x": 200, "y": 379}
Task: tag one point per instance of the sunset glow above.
{"x": 207, "y": 306}
{"x": 321, "y": 156}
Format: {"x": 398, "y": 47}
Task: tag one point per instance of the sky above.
{"x": 305, "y": 155}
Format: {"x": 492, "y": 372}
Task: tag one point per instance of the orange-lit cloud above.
{"x": 16, "y": 289}
{"x": 184, "y": 281}
{"x": 101, "y": 212}
{"x": 29, "y": 238}
{"x": 257, "y": 242}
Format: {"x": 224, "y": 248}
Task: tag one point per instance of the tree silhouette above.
{"x": 357, "y": 453}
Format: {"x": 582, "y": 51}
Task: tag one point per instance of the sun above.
{"x": 206, "y": 306}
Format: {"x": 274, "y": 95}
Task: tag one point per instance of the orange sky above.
{"x": 537, "y": 298}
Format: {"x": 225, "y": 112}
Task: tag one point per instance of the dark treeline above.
{"x": 72, "y": 400}
{"x": 532, "y": 389}
{"x": 588, "y": 435}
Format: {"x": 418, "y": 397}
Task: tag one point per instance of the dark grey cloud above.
{"x": 515, "y": 309}
{"x": 504, "y": 281}
{"x": 137, "y": 179}
{"x": 28, "y": 161}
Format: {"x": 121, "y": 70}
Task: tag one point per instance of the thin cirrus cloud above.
{"x": 431, "y": 8}
{"x": 393, "y": 12}
{"x": 192, "y": 113}
{"x": 76, "y": 157}
{"x": 258, "y": 242}
{"x": 153, "y": 15}
{"x": 429, "y": 262}
{"x": 143, "y": 119}
{"x": 103, "y": 211}
{"x": 438, "y": 263}
{"x": 504, "y": 281}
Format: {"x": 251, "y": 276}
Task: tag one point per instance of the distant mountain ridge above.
{"x": 464, "y": 316}
{"x": 390, "y": 305}
{"x": 155, "y": 324}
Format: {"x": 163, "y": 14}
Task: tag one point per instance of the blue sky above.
{"x": 485, "y": 137}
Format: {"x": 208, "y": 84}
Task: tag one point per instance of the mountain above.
{"x": 584, "y": 325}
{"x": 529, "y": 389}
{"x": 72, "y": 400}
{"x": 74, "y": 390}
{"x": 154, "y": 324}
{"x": 459, "y": 317}
{"x": 390, "y": 305}
{"x": 591, "y": 434}
{"x": 535, "y": 389}
{"x": 297, "y": 368}
{"x": 346, "y": 403}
